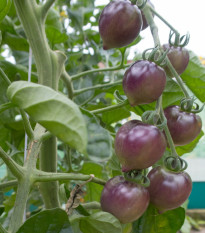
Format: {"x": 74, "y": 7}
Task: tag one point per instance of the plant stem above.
{"x": 163, "y": 20}
{"x": 41, "y": 176}
{"x": 110, "y": 108}
{"x": 74, "y": 77}
{"x": 46, "y": 7}
{"x": 4, "y": 77}
{"x": 153, "y": 27}
{"x": 20, "y": 205}
{"x": 7, "y": 184}
{"x": 49, "y": 164}
{"x": 16, "y": 169}
{"x": 27, "y": 125}
{"x": 92, "y": 205}
{"x": 77, "y": 92}
{"x": 178, "y": 78}
{"x": 159, "y": 107}
{"x": 67, "y": 80}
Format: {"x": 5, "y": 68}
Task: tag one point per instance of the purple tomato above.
{"x": 119, "y": 24}
{"x": 139, "y": 145}
{"x": 184, "y": 127}
{"x": 144, "y": 82}
{"x": 126, "y": 200}
{"x": 179, "y": 58}
{"x": 168, "y": 190}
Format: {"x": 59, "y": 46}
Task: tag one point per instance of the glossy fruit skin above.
{"x": 139, "y": 145}
{"x": 143, "y": 82}
{"x": 126, "y": 200}
{"x": 183, "y": 126}
{"x": 119, "y": 24}
{"x": 144, "y": 21}
{"x": 179, "y": 57}
{"x": 168, "y": 190}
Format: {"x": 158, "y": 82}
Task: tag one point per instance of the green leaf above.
{"x": 93, "y": 191}
{"x": 47, "y": 221}
{"x": 4, "y": 8}
{"x": 189, "y": 147}
{"x": 16, "y": 42}
{"x": 100, "y": 222}
{"x": 194, "y": 76}
{"x": 99, "y": 140}
{"x": 172, "y": 93}
{"x": 55, "y": 36}
{"x": 151, "y": 222}
{"x": 52, "y": 110}
{"x": 115, "y": 115}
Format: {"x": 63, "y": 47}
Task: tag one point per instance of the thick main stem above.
{"x": 49, "y": 67}
{"x": 49, "y": 147}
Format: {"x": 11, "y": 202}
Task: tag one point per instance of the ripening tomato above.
{"x": 126, "y": 200}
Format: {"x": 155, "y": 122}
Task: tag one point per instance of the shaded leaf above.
{"x": 55, "y": 36}
{"x": 52, "y": 110}
{"x": 93, "y": 191}
{"x": 169, "y": 222}
{"x": 99, "y": 140}
{"x": 194, "y": 76}
{"x": 47, "y": 221}
{"x": 4, "y": 8}
{"x": 100, "y": 222}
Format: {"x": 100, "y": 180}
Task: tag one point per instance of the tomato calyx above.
{"x": 189, "y": 105}
{"x": 153, "y": 118}
{"x": 138, "y": 177}
{"x": 178, "y": 41}
{"x": 175, "y": 164}
{"x": 156, "y": 55}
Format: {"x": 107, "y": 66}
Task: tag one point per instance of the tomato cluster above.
{"x": 139, "y": 145}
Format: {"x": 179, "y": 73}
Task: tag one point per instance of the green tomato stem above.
{"x": 27, "y": 125}
{"x": 45, "y": 8}
{"x": 17, "y": 170}
{"x": 74, "y": 77}
{"x": 77, "y": 92}
{"x": 164, "y": 21}
{"x": 110, "y": 108}
{"x": 178, "y": 78}
{"x": 67, "y": 80}
{"x": 41, "y": 176}
{"x": 92, "y": 205}
{"x": 8, "y": 184}
{"x": 5, "y": 77}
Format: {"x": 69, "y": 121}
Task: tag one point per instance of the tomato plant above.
{"x": 124, "y": 199}
{"x": 82, "y": 118}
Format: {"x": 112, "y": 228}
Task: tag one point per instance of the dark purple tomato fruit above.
{"x": 184, "y": 127}
{"x": 144, "y": 21}
{"x": 139, "y": 145}
{"x": 143, "y": 82}
{"x": 179, "y": 58}
{"x": 119, "y": 24}
{"x": 126, "y": 200}
{"x": 168, "y": 190}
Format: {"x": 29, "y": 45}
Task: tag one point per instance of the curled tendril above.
{"x": 156, "y": 55}
{"x": 178, "y": 41}
{"x": 153, "y": 118}
{"x": 141, "y": 3}
{"x": 136, "y": 176}
{"x": 189, "y": 105}
{"x": 175, "y": 164}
